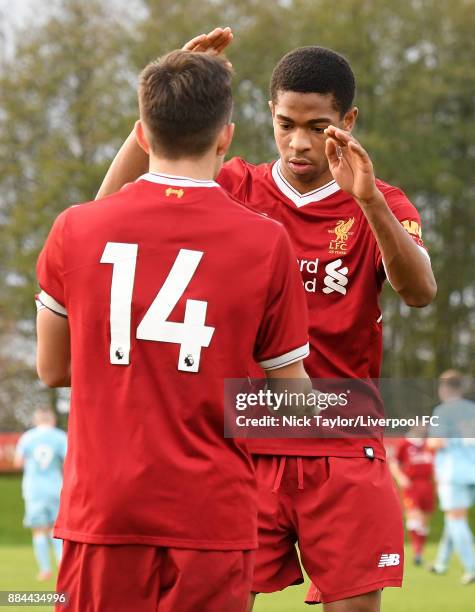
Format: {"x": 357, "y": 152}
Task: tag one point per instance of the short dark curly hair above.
{"x": 315, "y": 70}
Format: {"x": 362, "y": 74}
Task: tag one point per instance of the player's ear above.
{"x": 349, "y": 119}
{"x": 225, "y": 138}
{"x": 272, "y": 107}
{"x": 141, "y": 137}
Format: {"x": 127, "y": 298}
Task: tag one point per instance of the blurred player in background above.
{"x": 454, "y": 442}
{"x": 412, "y": 467}
{"x": 178, "y": 288}
{"x": 41, "y": 452}
{"x": 350, "y": 232}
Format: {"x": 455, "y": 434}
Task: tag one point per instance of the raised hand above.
{"x": 215, "y": 42}
{"x": 350, "y": 164}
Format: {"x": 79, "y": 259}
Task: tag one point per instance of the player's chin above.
{"x": 303, "y": 172}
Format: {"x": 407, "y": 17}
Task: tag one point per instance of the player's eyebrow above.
{"x": 309, "y": 122}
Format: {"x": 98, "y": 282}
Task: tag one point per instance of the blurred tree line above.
{"x": 67, "y": 101}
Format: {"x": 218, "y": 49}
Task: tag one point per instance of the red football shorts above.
{"x": 345, "y": 514}
{"x": 137, "y": 578}
{"x": 419, "y": 495}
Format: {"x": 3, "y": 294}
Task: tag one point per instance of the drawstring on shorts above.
{"x": 280, "y": 473}
{"x": 300, "y": 472}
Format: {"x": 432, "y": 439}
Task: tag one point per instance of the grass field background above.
{"x": 422, "y": 592}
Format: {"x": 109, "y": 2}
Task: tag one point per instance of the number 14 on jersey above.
{"x": 192, "y": 334}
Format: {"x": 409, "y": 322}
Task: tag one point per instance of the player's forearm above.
{"x": 18, "y": 462}
{"x": 398, "y": 474}
{"x": 435, "y": 444}
{"x": 52, "y": 376}
{"x": 292, "y": 381}
{"x": 408, "y": 269}
{"x": 130, "y": 162}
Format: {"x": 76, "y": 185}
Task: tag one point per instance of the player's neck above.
{"x": 453, "y": 398}
{"x": 203, "y": 168}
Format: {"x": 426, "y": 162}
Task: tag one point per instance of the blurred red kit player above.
{"x": 343, "y": 223}
{"x": 414, "y": 472}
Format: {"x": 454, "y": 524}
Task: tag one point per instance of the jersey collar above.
{"x": 297, "y": 198}
{"x": 175, "y": 181}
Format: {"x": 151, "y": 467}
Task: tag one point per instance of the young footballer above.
{"x": 453, "y": 440}
{"x": 40, "y": 452}
{"x": 153, "y": 297}
{"x": 351, "y": 232}
{"x": 412, "y": 467}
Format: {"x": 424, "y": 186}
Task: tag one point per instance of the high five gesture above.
{"x": 350, "y": 164}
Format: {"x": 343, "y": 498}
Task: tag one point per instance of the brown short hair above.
{"x": 185, "y": 99}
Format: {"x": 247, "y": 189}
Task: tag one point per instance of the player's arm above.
{"x": 398, "y": 475}
{"x": 407, "y": 268}
{"x": 282, "y": 341}
{"x": 18, "y": 460}
{"x": 435, "y": 444}
{"x": 394, "y": 464}
{"x": 292, "y": 378}
{"x": 53, "y": 358}
{"x": 132, "y": 161}
{"x": 52, "y": 325}
{"x": 20, "y": 451}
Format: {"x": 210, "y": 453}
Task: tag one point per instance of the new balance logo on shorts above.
{"x": 389, "y": 560}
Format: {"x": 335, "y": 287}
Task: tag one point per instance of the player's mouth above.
{"x": 299, "y": 166}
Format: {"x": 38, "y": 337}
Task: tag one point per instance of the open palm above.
{"x": 349, "y": 164}
{"x": 215, "y": 42}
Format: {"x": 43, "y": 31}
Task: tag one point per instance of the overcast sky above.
{"x": 16, "y": 11}
{"x": 14, "y": 14}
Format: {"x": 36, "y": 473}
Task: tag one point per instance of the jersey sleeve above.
{"x": 50, "y": 269}
{"x": 234, "y": 178}
{"x": 407, "y": 215}
{"x": 283, "y": 333}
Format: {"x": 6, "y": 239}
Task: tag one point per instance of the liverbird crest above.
{"x": 343, "y": 227}
{"x": 178, "y": 192}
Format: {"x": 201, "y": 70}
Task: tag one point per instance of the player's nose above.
{"x": 300, "y": 141}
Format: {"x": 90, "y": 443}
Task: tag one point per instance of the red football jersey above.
{"x": 342, "y": 272}
{"x": 415, "y": 459}
{"x": 170, "y": 286}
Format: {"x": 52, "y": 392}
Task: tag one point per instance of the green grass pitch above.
{"x": 422, "y": 591}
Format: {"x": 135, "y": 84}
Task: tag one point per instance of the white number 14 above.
{"x": 192, "y": 334}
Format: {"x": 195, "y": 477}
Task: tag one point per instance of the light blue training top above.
{"x": 43, "y": 450}
{"x": 455, "y": 462}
